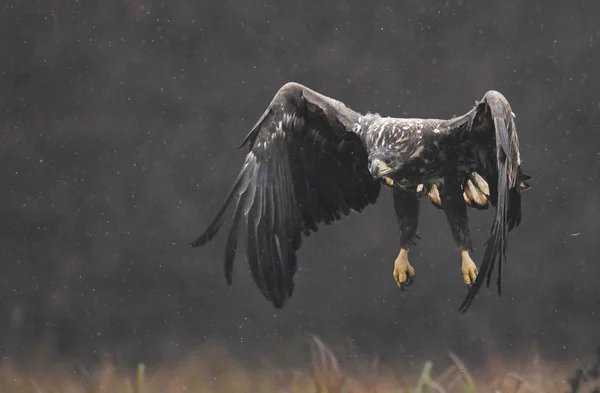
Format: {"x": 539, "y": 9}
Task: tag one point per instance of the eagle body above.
{"x": 312, "y": 160}
{"x": 413, "y": 142}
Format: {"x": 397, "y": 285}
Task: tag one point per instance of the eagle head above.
{"x": 384, "y": 162}
{"x": 393, "y": 153}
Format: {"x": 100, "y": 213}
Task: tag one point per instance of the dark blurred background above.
{"x": 118, "y": 128}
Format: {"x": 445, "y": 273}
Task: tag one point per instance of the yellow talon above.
{"x": 434, "y": 195}
{"x": 388, "y": 181}
{"x": 468, "y": 268}
{"x": 402, "y": 268}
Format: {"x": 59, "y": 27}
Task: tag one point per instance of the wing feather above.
{"x": 304, "y": 168}
{"x": 490, "y": 128}
{"x": 246, "y": 194}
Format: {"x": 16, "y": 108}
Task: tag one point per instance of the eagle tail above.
{"x": 508, "y": 205}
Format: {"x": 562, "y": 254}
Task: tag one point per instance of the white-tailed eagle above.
{"x": 312, "y": 160}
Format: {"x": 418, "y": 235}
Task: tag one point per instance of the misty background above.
{"x": 119, "y": 125}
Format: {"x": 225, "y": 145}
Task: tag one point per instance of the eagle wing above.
{"x": 489, "y": 135}
{"x": 304, "y": 167}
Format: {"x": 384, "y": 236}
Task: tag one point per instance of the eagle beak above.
{"x": 379, "y": 169}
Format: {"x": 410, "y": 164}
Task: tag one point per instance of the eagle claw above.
{"x": 469, "y": 269}
{"x": 403, "y": 271}
{"x": 404, "y": 287}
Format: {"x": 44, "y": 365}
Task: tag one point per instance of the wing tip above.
{"x": 201, "y": 240}
{"x": 211, "y": 231}
{"x": 278, "y": 304}
{"x": 471, "y": 295}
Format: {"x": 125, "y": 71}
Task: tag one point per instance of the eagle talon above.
{"x": 403, "y": 271}
{"x": 404, "y": 287}
{"x": 468, "y": 269}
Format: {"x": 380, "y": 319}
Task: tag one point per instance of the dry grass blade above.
{"x": 139, "y": 378}
{"x": 426, "y": 383}
{"x": 138, "y": 385}
{"x": 437, "y": 387}
{"x": 457, "y": 378}
{"x": 327, "y": 375}
{"x": 425, "y": 377}
{"x": 448, "y": 374}
{"x": 469, "y": 382}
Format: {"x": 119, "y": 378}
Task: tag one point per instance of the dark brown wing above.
{"x": 304, "y": 168}
{"x": 490, "y": 133}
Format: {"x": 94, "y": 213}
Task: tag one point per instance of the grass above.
{"x": 218, "y": 372}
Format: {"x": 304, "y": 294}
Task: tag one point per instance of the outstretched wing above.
{"x": 489, "y": 135}
{"x": 304, "y": 167}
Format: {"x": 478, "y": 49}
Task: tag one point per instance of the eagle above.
{"x": 312, "y": 160}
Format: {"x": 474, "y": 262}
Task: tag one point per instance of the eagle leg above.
{"x": 406, "y": 205}
{"x": 455, "y": 208}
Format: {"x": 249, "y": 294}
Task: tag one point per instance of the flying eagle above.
{"x": 312, "y": 160}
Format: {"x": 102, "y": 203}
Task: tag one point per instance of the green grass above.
{"x": 217, "y": 372}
